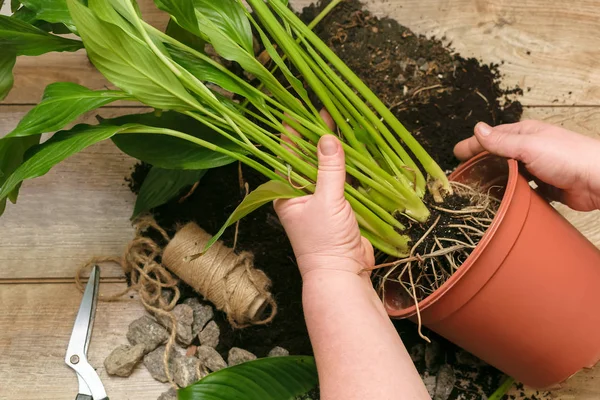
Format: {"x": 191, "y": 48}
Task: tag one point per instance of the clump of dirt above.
{"x": 437, "y": 94}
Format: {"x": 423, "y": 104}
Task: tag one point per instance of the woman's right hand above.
{"x": 565, "y": 164}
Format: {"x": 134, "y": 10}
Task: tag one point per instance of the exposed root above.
{"x": 442, "y": 249}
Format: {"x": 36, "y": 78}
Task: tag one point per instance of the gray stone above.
{"x": 237, "y": 356}
{"x": 430, "y": 382}
{"x": 123, "y": 359}
{"x": 417, "y": 352}
{"x": 203, "y": 313}
{"x": 154, "y": 362}
{"x": 170, "y": 394}
{"x": 184, "y": 316}
{"x": 147, "y": 331}
{"x": 445, "y": 382}
{"x": 433, "y": 354}
{"x": 210, "y": 358}
{"x": 167, "y": 295}
{"x": 186, "y": 371}
{"x": 210, "y": 335}
{"x": 278, "y": 352}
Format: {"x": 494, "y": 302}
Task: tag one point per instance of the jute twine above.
{"x": 225, "y": 278}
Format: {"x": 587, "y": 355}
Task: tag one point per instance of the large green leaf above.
{"x": 206, "y": 72}
{"x": 184, "y": 36}
{"x": 129, "y": 64}
{"x": 265, "y": 193}
{"x": 182, "y": 11}
{"x": 8, "y": 57}
{"x": 162, "y": 185}
{"x": 63, "y": 102}
{"x": 275, "y": 378}
{"x": 170, "y": 152}
{"x": 41, "y": 158}
{"x": 229, "y": 16}
{"x": 53, "y": 11}
{"x": 12, "y": 151}
{"x": 28, "y": 40}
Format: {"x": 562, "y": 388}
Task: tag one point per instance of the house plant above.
{"x": 168, "y": 73}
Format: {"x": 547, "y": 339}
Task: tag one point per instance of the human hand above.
{"x": 564, "y": 163}
{"x": 322, "y": 227}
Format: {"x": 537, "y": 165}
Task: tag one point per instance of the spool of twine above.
{"x": 227, "y": 279}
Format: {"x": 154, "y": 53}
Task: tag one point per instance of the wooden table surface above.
{"x": 82, "y": 207}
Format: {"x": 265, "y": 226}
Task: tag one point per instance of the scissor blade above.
{"x": 82, "y": 329}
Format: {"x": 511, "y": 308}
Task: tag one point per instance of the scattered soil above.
{"x": 437, "y": 94}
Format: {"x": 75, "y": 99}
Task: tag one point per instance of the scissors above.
{"x": 90, "y": 385}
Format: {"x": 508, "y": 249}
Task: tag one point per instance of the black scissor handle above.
{"x": 83, "y": 397}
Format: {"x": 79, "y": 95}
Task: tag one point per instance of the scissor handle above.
{"x": 87, "y": 397}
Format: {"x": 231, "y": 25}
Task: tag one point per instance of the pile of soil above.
{"x": 437, "y": 94}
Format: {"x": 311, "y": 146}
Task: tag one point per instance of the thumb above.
{"x": 332, "y": 169}
{"x": 510, "y": 141}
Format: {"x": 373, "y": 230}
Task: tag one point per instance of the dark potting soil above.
{"x": 438, "y": 95}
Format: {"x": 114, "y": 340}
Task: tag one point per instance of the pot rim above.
{"x": 511, "y": 184}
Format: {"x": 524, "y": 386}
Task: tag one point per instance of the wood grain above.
{"x": 36, "y": 323}
{"x": 81, "y": 208}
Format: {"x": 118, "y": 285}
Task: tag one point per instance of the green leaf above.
{"x": 170, "y": 152}
{"x": 53, "y": 11}
{"x": 12, "y": 151}
{"x": 184, "y": 36}
{"x": 14, "y": 5}
{"x": 274, "y": 378}
{"x": 129, "y": 64}
{"x": 229, "y": 16}
{"x": 41, "y": 158}
{"x": 162, "y": 185}
{"x": 262, "y": 195}
{"x": 8, "y": 57}
{"x": 63, "y": 102}
{"x": 28, "y": 40}
{"x": 182, "y": 11}
{"x": 206, "y": 72}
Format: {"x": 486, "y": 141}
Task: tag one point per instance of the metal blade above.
{"x": 82, "y": 329}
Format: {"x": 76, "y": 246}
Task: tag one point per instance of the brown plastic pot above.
{"x": 527, "y": 300}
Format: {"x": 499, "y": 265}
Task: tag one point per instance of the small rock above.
{"x": 123, "y": 359}
{"x": 202, "y": 314}
{"x": 430, "y": 382}
{"x": 170, "y": 394}
{"x": 185, "y": 371}
{"x": 154, "y": 362}
{"x": 238, "y": 356}
{"x": 445, "y": 383}
{"x": 210, "y": 358}
{"x": 184, "y": 316}
{"x": 167, "y": 295}
{"x": 400, "y": 79}
{"x": 278, "y": 352}
{"x": 433, "y": 352}
{"x": 424, "y": 67}
{"x": 210, "y": 335}
{"x": 148, "y": 332}
{"x": 417, "y": 352}
{"x": 375, "y": 29}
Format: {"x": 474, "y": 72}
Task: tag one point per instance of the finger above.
{"x": 327, "y": 118}
{"x": 467, "y": 148}
{"x": 331, "y": 175}
{"x": 288, "y": 143}
{"x": 510, "y": 141}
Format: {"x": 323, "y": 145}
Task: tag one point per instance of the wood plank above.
{"x": 79, "y": 209}
{"x": 36, "y": 325}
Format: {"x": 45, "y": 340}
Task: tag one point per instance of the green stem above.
{"x": 503, "y": 389}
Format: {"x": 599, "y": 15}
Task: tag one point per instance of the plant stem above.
{"x": 503, "y": 389}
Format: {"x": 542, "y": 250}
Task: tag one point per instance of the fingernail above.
{"x": 328, "y": 145}
{"x": 483, "y": 129}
